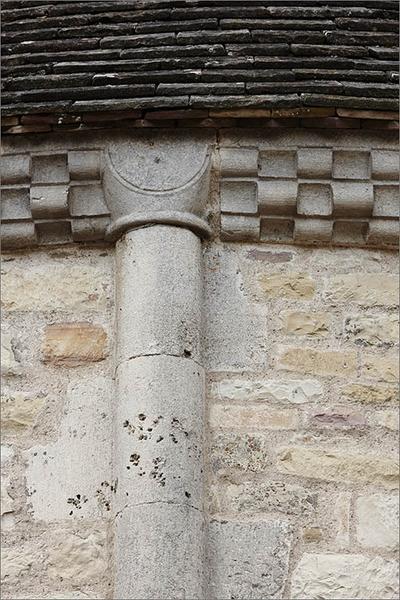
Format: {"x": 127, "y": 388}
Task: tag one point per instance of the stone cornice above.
{"x": 291, "y": 189}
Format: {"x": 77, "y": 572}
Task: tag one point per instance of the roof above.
{"x": 127, "y": 54}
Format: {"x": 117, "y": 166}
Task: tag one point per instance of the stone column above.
{"x": 159, "y": 412}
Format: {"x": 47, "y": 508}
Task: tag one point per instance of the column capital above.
{"x": 161, "y": 178}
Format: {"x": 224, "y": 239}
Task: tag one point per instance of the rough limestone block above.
{"x": 344, "y": 576}
{"x": 378, "y": 330}
{"x": 377, "y": 521}
{"x": 235, "y": 546}
{"x": 298, "y": 286}
{"x": 370, "y": 394}
{"x": 342, "y": 518}
{"x": 314, "y": 163}
{"x": 237, "y": 162}
{"x": 49, "y": 202}
{"x": 352, "y": 199}
{"x": 331, "y": 464}
{"x": 389, "y": 419}
{"x": 84, "y": 164}
{"x": 306, "y": 323}
{"x": 239, "y": 197}
{"x": 254, "y": 497}
{"x": 366, "y": 289}
{"x": 318, "y": 362}
{"x": 291, "y": 391}
{"x": 9, "y": 365}
{"x": 339, "y": 419}
{"x": 386, "y": 201}
{"x": 232, "y": 452}
{"x": 15, "y": 169}
{"x": 277, "y": 197}
{"x": 280, "y": 164}
{"x": 7, "y": 502}
{"x": 312, "y": 231}
{"x": 383, "y": 368}
{"x": 236, "y": 227}
{"x": 73, "y": 479}
{"x": 252, "y": 417}
{"x": 385, "y": 164}
{"x": 44, "y": 287}
{"x": 20, "y": 410}
{"x": 78, "y": 558}
{"x": 74, "y": 344}
{"x": 351, "y": 164}
{"x": 51, "y": 169}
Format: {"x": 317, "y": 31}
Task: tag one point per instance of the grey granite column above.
{"x": 159, "y": 412}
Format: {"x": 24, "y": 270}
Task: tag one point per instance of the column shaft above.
{"x": 159, "y": 418}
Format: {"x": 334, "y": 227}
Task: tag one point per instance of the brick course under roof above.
{"x": 127, "y": 54}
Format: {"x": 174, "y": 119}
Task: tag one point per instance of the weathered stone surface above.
{"x": 339, "y": 465}
{"x": 312, "y": 534}
{"x": 342, "y": 517}
{"x": 378, "y": 521}
{"x": 17, "y": 562}
{"x": 254, "y": 497}
{"x": 43, "y": 288}
{"x": 383, "y": 368}
{"x": 264, "y": 545}
{"x": 376, "y": 330}
{"x": 20, "y": 410}
{"x": 7, "y": 502}
{"x": 387, "y": 418}
{"x": 337, "y": 419}
{"x": 370, "y": 394}
{"x": 288, "y": 285}
{"x": 238, "y": 452}
{"x": 77, "y": 558}
{"x": 344, "y": 576}
{"x": 367, "y": 289}
{"x": 285, "y": 390}
{"x": 306, "y": 323}
{"x": 9, "y": 366}
{"x": 178, "y": 531}
{"x": 75, "y": 483}
{"x": 252, "y": 417}
{"x": 318, "y": 362}
{"x": 74, "y": 344}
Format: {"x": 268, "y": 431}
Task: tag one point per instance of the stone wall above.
{"x": 56, "y": 363}
{"x": 301, "y": 467}
{"x": 297, "y": 339}
{"x": 302, "y": 442}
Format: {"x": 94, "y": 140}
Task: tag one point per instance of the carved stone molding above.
{"x": 52, "y": 198}
{"x": 310, "y": 195}
{"x": 277, "y": 189}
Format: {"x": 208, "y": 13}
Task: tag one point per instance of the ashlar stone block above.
{"x": 314, "y": 199}
{"x": 350, "y": 164}
{"x": 385, "y": 164}
{"x": 234, "y": 546}
{"x": 239, "y": 197}
{"x": 314, "y": 163}
{"x": 278, "y": 164}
